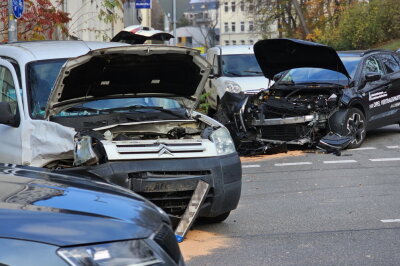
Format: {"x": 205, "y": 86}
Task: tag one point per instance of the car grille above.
{"x": 167, "y": 241}
{"x": 168, "y": 174}
{"x": 284, "y": 132}
{"x": 173, "y": 203}
{"x": 156, "y": 148}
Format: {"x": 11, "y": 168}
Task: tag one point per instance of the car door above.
{"x": 392, "y": 70}
{"x": 10, "y": 94}
{"x": 375, "y": 91}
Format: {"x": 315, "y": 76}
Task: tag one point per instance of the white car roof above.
{"x": 233, "y": 49}
{"x": 25, "y": 52}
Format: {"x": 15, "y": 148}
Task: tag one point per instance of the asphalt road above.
{"x": 314, "y": 209}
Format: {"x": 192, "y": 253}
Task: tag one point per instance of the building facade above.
{"x": 85, "y": 23}
{"x": 237, "y": 26}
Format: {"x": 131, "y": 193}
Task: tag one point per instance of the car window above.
{"x": 372, "y": 65}
{"x": 390, "y": 63}
{"x": 7, "y": 89}
{"x": 41, "y": 78}
{"x": 240, "y": 65}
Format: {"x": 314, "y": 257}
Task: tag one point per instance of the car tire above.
{"x": 353, "y": 123}
{"x": 216, "y": 219}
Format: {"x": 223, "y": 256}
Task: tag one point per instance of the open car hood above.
{"x": 277, "y": 55}
{"x": 130, "y": 71}
{"x": 138, "y": 34}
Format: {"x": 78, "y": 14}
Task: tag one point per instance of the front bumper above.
{"x": 170, "y": 183}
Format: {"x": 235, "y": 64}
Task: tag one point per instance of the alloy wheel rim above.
{"x": 356, "y": 127}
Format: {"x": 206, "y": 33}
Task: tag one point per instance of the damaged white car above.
{"x": 124, "y": 114}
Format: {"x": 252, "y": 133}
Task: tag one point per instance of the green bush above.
{"x": 363, "y": 25}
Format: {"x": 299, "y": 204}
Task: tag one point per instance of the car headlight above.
{"x": 232, "y": 86}
{"x": 223, "y": 141}
{"x": 132, "y": 252}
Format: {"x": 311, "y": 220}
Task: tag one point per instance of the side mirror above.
{"x": 277, "y": 77}
{"x": 372, "y": 76}
{"x": 6, "y": 115}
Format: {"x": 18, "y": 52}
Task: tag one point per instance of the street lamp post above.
{"x": 12, "y": 24}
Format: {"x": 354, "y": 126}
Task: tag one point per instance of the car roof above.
{"x": 24, "y": 52}
{"x": 234, "y": 49}
{"x": 362, "y": 53}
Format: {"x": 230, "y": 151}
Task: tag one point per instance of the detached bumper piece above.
{"x": 192, "y": 210}
{"x": 334, "y": 143}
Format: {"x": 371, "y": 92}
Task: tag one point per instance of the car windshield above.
{"x": 240, "y": 65}
{"x": 143, "y": 104}
{"x": 41, "y": 78}
{"x": 319, "y": 75}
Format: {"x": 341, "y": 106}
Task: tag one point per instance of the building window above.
{"x": 233, "y": 26}
{"x": 226, "y": 6}
{"x": 242, "y": 42}
{"x": 226, "y": 27}
{"x": 179, "y": 39}
{"x": 205, "y": 15}
{"x": 234, "y": 42}
{"x": 251, "y": 26}
{"x": 242, "y": 6}
{"x": 242, "y": 26}
{"x": 189, "y": 40}
{"x": 251, "y": 7}
{"x": 251, "y": 42}
{"x": 233, "y": 5}
{"x": 226, "y": 42}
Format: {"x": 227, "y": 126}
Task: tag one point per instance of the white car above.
{"x": 235, "y": 69}
{"x": 124, "y": 113}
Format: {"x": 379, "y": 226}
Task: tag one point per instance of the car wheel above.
{"x": 355, "y": 125}
{"x": 216, "y": 219}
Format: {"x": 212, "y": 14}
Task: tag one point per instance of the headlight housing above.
{"x": 223, "y": 141}
{"x": 232, "y": 86}
{"x": 132, "y": 252}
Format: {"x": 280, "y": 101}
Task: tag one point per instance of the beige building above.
{"x": 86, "y": 25}
{"x": 236, "y": 26}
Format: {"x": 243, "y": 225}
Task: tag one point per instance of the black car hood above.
{"x": 277, "y": 55}
{"x": 129, "y": 71}
{"x": 63, "y": 210}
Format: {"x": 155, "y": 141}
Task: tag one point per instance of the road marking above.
{"x": 384, "y": 159}
{"x": 290, "y": 164}
{"x": 341, "y": 161}
{"x": 251, "y": 166}
{"x": 363, "y": 148}
{"x": 391, "y": 221}
{"x": 393, "y": 147}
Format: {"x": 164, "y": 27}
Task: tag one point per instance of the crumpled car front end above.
{"x": 298, "y": 108}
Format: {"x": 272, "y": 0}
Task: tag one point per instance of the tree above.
{"x": 296, "y": 18}
{"x": 41, "y": 20}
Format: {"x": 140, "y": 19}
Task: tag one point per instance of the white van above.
{"x": 235, "y": 69}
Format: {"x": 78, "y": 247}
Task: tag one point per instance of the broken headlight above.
{"x": 223, "y": 141}
{"x": 83, "y": 152}
{"x": 132, "y": 252}
{"x": 232, "y": 86}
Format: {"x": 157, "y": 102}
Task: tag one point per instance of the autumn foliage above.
{"x": 42, "y": 20}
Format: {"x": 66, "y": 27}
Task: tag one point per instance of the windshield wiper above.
{"x": 255, "y": 72}
{"x": 82, "y": 109}
{"x": 136, "y": 107}
{"x": 233, "y": 73}
{"x": 287, "y": 82}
